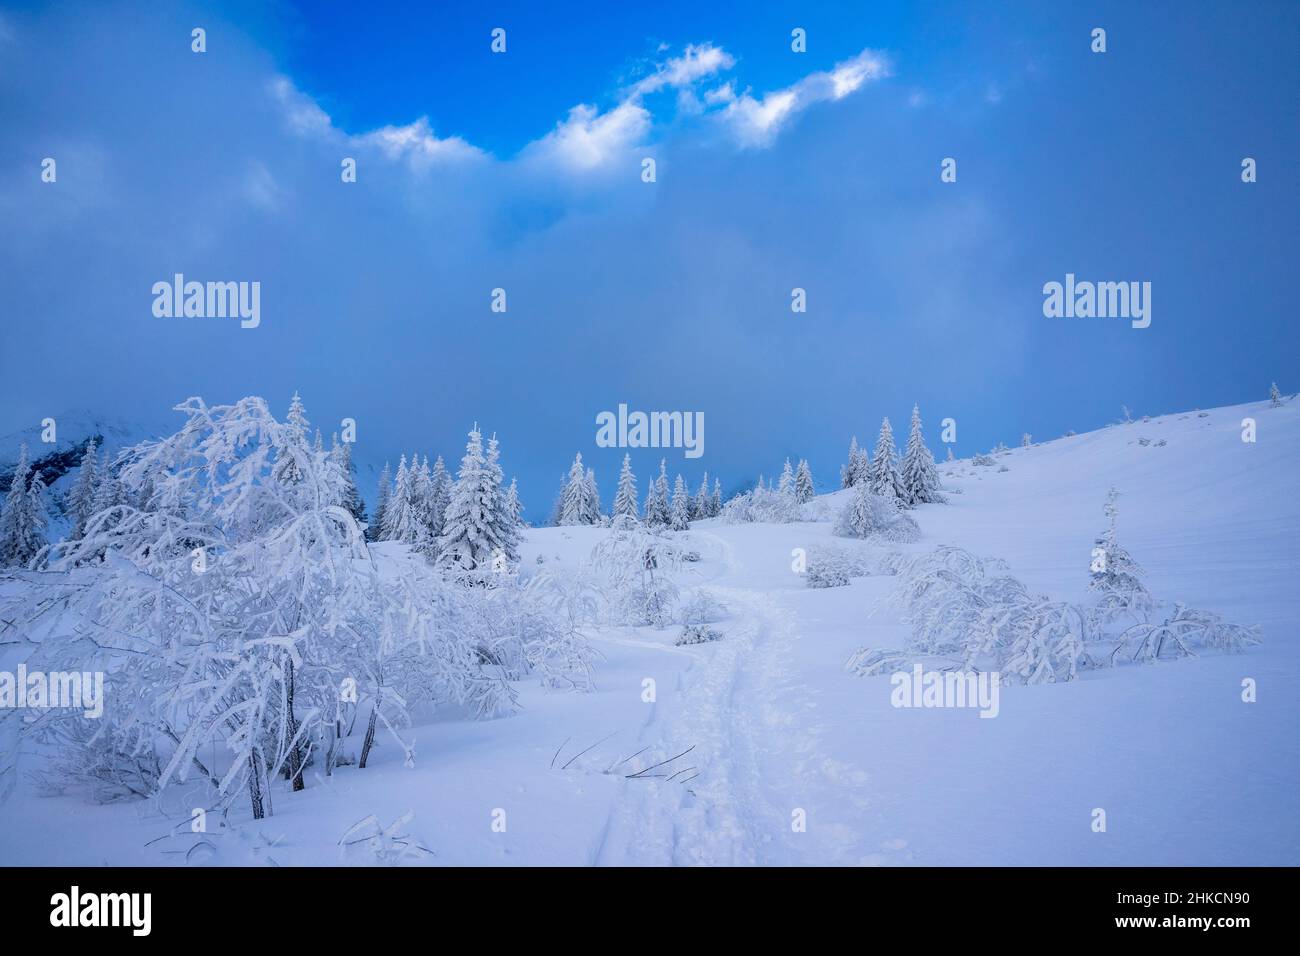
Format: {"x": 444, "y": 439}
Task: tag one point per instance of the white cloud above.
{"x": 756, "y": 122}
{"x": 587, "y": 139}
{"x": 697, "y": 62}
{"x": 414, "y": 142}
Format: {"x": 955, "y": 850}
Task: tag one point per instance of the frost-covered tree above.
{"x": 228, "y": 617}
{"x": 440, "y": 497}
{"x": 515, "y": 507}
{"x": 950, "y": 455}
{"x": 382, "y": 497}
{"x": 869, "y": 515}
{"x": 786, "y": 485}
{"x": 625, "y": 498}
{"x": 402, "y": 519}
{"x": 81, "y": 499}
{"x": 1116, "y": 577}
{"x": 700, "y": 508}
{"x": 575, "y": 502}
{"x": 857, "y": 468}
{"x": 292, "y": 452}
{"x": 1274, "y": 396}
{"x": 472, "y": 536}
{"x": 803, "y": 483}
{"x": 22, "y": 519}
{"x": 657, "y": 508}
{"x": 593, "y": 498}
{"x": 883, "y": 478}
{"x": 351, "y": 496}
{"x": 505, "y": 511}
{"x": 680, "y": 515}
{"x": 918, "y": 477}
{"x": 1026, "y": 440}
{"x": 715, "y": 501}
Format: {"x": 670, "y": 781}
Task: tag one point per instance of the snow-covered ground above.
{"x": 777, "y": 731}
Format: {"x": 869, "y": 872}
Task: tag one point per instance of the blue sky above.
{"x": 522, "y": 171}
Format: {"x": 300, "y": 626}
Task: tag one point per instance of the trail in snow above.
{"x": 766, "y": 792}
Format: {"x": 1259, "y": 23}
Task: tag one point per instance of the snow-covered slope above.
{"x": 776, "y": 731}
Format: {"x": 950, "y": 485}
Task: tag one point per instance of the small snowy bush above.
{"x": 832, "y": 567}
{"x": 876, "y": 517}
{"x": 762, "y": 505}
{"x": 697, "y": 634}
{"x": 702, "y": 607}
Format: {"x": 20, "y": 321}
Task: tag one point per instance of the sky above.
{"x": 522, "y": 170}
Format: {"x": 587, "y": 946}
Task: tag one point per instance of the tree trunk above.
{"x": 370, "y": 736}
{"x": 291, "y": 728}
{"x": 255, "y": 786}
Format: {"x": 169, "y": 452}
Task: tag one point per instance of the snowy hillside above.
{"x": 762, "y": 748}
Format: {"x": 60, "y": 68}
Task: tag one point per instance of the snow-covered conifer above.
{"x": 883, "y": 478}
{"x": 803, "y": 483}
{"x": 291, "y": 444}
{"x": 919, "y": 477}
{"x": 575, "y": 502}
{"x": 1116, "y": 576}
{"x": 592, "y": 510}
{"x": 625, "y": 499}
{"x": 786, "y": 484}
{"x": 505, "y": 517}
{"x": 440, "y": 497}
{"x": 400, "y": 519}
{"x": 657, "y": 509}
{"x": 382, "y": 497}
{"x": 715, "y": 501}
{"x": 700, "y": 503}
{"x": 1274, "y": 396}
{"x": 81, "y": 499}
{"x": 22, "y": 519}
{"x": 680, "y": 515}
{"x": 471, "y": 537}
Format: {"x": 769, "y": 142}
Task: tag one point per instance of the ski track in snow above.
{"x": 758, "y": 753}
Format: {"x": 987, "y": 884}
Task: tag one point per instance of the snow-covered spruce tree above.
{"x": 715, "y": 500}
{"x": 440, "y": 497}
{"x": 883, "y": 477}
{"x": 81, "y": 498}
{"x": 401, "y": 515}
{"x": 700, "y": 508}
{"x": 575, "y": 502}
{"x": 593, "y": 514}
{"x": 657, "y": 508}
{"x": 472, "y": 536}
{"x": 351, "y": 496}
{"x": 1274, "y": 396}
{"x": 803, "y": 483}
{"x": 227, "y": 617}
{"x": 680, "y": 516}
{"x": 625, "y": 498}
{"x": 505, "y": 511}
{"x": 22, "y": 518}
{"x": 292, "y": 452}
{"x": 1117, "y": 579}
{"x": 1026, "y": 440}
{"x": 515, "y": 508}
{"x": 918, "y": 476}
{"x": 849, "y": 470}
{"x": 382, "y": 496}
{"x": 786, "y": 485}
